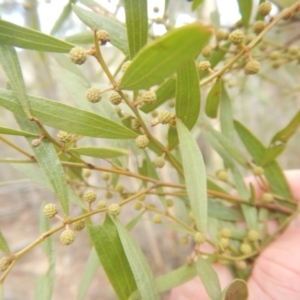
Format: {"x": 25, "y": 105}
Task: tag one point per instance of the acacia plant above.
{"x": 142, "y": 120}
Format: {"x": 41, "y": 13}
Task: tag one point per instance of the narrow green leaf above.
{"x": 131, "y": 224}
{"x": 209, "y": 278}
{"x": 236, "y": 290}
{"x": 161, "y": 58}
{"x": 249, "y": 212}
{"x": 271, "y": 154}
{"x": 196, "y": 3}
{"x": 65, "y": 117}
{"x": 188, "y": 94}
{"x": 245, "y": 11}
{"x": 113, "y": 258}
{"x": 83, "y": 37}
{"x": 213, "y": 99}
{"x": 100, "y": 152}
{"x": 47, "y": 158}
{"x": 273, "y": 172}
{"x": 219, "y": 211}
{"x": 117, "y": 32}
{"x": 11, "y": 66}
{"x": 231, "y": 148}
{"x": 188, "y": 100}
{"x": 22, "y": 37}
{"x": 171, "y": 280}
{"x": 151, "y": 172}
{"x": 67, "y": 65}
{"x": 195, "y": 176}
{"x": 141, "y": 270}
{"x": 226, "y": 115}
{"x": 36, "y": 174}
{"x": 62, "y": 17}
{"x": 45, "y": 283}
{"x": 89, "y": 272}
{"x": 165, "y": 92}
{"x": 136, "y": 24}
{"x": 284, "y": 135}
{"x": 213, "y": 186}
{"x": 172, "y": 137}
{"x": 11, "y": 131}
{"x": 3, "y": 244}
{"x": 214, "y": 143}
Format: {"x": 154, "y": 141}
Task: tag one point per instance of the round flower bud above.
{"x": 159, "y": 161}
{"x": 105, "y": 176}
{"x": 155, "y": 9}
{"x": 206, "y": 51}
{"x": 221, "y": 35}
{"x": 64, "y": 137}
{"x": 225, "y": 232}
{"x": 138, "y": 205}
{"x": 253, "y": 235}
{"x": 245, "y": 248}
{"x": 101, "y": 204}
{"x": 89, "y": 196}
{"x": 93, "y": 95}
{"x": 204, "y": 65}
{"x": 241, "y": 264}
{"x": 149, "y": 97}
{"x": 184, "y": 240}
{"x": 259, "y": 26}
{"x": 119, "y": 188}
{"x": 5, "y": 263}
{"x": 154, "y": 113}
{"x": 67, "y": 237}
{"x": 78, "y": 225}
{"x": 224, "y": 243}
{"x": 157, "y": 218}
{"x": 222, "y": 175}
{"x": 258, "y": 171}
{"x": 78, "y": 55}
{"x": 35, "y": 143}
{"x": 276, "y": 64}
{"x": 171, "y": 103}
{"x": 142, "y": 141}
{"x": 252, "y": 67}
{"x": 267, "y": 198}
{"x": 265, "y": 8}
{"x": 274, "y": 55}
{"x": 237, "y": 37}
{"x": 114, "y": 209}
{"x": 115, "y": 98}
{"x": 164, "y": 117}
{"x": 199, "y": 238}
{"x": 86, "y": 173}
{"x": 50, "y": 210}
{"x": 108, "y": 195}
{"x": 159, "y": 21}
{"x": 169, "y": 202}
{"x": 125, "y": 66}
{"x": 103, "y": 36}
{"x": 293, "y": 50}
{"x": 135, "y": 124}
